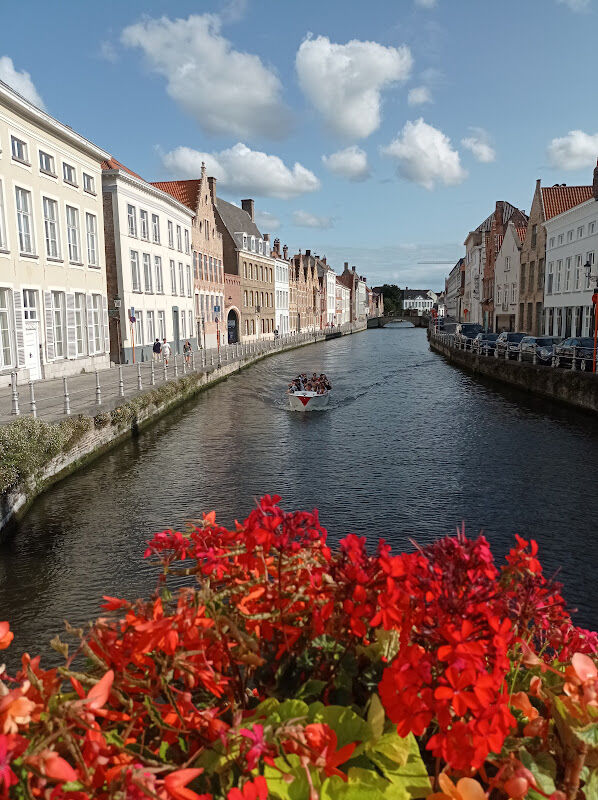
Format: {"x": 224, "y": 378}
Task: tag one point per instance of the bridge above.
{"x": 414, "y": 319}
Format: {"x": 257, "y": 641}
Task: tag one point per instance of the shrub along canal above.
{"x": 408, "y": 448}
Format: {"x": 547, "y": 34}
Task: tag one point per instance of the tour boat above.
{"x": 308, "y": 401}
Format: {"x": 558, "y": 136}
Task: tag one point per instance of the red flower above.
{"x": 176, "y": 785}
{"x": 252, "y": 790}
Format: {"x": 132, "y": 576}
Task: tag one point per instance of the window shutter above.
{"x": 90, "y": 348}
{"x": 17, "y": 299}
{"x": 71, "y": 330}
{"x": 106, "y": 324}
{"x": 50, "y": 353}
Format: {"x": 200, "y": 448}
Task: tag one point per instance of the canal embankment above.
{"x": 572, "y": 387}
{"x": 35, "y": 452}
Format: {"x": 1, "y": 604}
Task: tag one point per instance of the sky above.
{"x": 378, "y": 133}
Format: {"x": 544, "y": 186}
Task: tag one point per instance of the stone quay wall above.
{"x": 108, "y": 428}
{"x": 573, "y": 387}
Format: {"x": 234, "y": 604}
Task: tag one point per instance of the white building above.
{"x": 343, "y": 303}
{"x": 506, "y": 279}
{"x": 328, "y": 300}
{"x": 571, "y": 270}
{"x": 149, "y": 266}
{"x": 452, "y": 291}
{"x": 53, "y": 309}
{"x": 361, "y": 300}
{"x": 281, "y": 296}
{"x": 420, "y": 300}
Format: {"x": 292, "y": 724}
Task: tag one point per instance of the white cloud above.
{"x": 425, "y": 156}
{"x": 227, "y": 91}
{"x": 19, "y": 81}
{"x": 266, "y": 222}
{"x": 108, "y": 52}
{"x": 479, "y": 144}
{"x": 344, "y": 81}
{"x": 304, "y": 219}
{"x": 243, "y": 170}
{"x": 351, "y": 163}
{"x": 576, "y": 150}
{"x": 425, "y": 3}
{"x": 419, "y": 95}
{"x": 576, "y": 5}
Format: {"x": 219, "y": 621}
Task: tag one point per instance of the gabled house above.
{"x": 506, "y": 278}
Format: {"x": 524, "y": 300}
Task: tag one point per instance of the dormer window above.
{"x": 253, "y": 244}
{"x": 260, "y": 246}
{"x": 244, "y": 241}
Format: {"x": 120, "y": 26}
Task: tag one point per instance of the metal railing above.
{"x": 92, "y": 393}
{"x": 578, "y": 359}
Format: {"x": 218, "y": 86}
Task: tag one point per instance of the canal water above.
{"x": 408, "y": 448}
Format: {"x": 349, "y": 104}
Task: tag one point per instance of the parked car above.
{"x": 485, "y": 342}
{"x": 580, "y": 347}
{"x": 542, "y": 346}
{"x": 508, "y": 342}
{"x": 468, "y": 331}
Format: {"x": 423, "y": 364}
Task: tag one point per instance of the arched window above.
{"x": 247, "y": 327}
{"x": 262, "y": 303}
{"x": 253, "y": 326}
{"x": 245, "y": 297}
{"x": 245, "y": 269}
{"x": 251, "y": 298}
{"x": 263, "y": 326}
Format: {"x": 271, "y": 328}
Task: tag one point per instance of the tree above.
{"x": 393, "y": 299}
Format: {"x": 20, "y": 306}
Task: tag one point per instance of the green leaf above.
{"x": 543, "y": 768}
{"x": 376, "y": 716}
{"x": 281, "y": 789}
{"x": 289, "y": 709}
{"x": 588, "y": 734}
{"x": 348, "y": 726}
{"x": 360, "y": 788}
{"x": 163, "y": 750}
{"x": 590, "y": 788}
{"x": 401, "y": 763}
{"x": 73, "y": 786}
{"x": 311, "y": 689}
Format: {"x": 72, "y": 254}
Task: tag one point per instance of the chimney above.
{"x": 212, "y": 185}
{"x": 595, "y": 183}
{"x": 277, "y": 246}
{"x": 323, "y": 260}
{"x": 266, "y": 237}
{"x": 285, "y": 251}
{"x": 203, "y": 170}
{"x": 346, "y": 266}
{"x": 353, "y": 269}
{"x": 308, "y": 253}
{"x": 247, "y": 205}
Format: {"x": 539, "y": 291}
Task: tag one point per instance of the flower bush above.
{"x": 268, "y": 665}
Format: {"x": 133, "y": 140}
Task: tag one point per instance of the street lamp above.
{"x": 588, "y": 269}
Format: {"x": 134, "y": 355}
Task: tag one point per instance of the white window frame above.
{"x": 173, "y": 286}
{"x": 170, "y": 227}
{"x": 187, "y": 243}
{"x": 3, "y": 233}
{"x": 143, "y": 225}
{"x": 25, "y": 221}
{"x": 179, "y": 239}
{"x": 7, "y": 351}
{"x": 189, "y": 281}
{"x": 89, "y": 183}
{"x": 161, "y": 322}
{"x": 73, "y": 234}
{"x": 181, "y": 279}
{"x": 155, "y": 228}
{"x": 135, "y": 271}
{"x": 80, "y": 324}
{"x": 66, "y": 167}
{"x": 51, "y": 168}
{"x": 148, "y": 286}
{"x": 159, "y": 275}
{"x": 51, "y": 228}
{"x": 91, "y": 230}
{"x": 150, "y": 323}
{"x": 30, "y": 310}
{"x": 19, "y": 150}
{"x": 59, "y": 323}
{"x": 139, "y": 328}
{"x": 132, "y": 220}
{"x": 96, "y": 323}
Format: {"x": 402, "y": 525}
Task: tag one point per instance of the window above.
{"x": 170, "y": 234}
{"x": 541, "y": 273}
{"x": 72, "y": 229}
{"x": 569, "y": 236}
{"x": 51, "y": 227}
{"x": 151, "y": 327}
{"x": 132, "y": 220}
{"x": 244, "y": 241}
{"x": 46, "y": 163}
{"x": 161, "y": 325}
{"x": 590, "y": 260}
{"x": 24, "y": 220}
{"x": 534, "y": 236}
{"x": 156, "y": 228}
{"x": 138, "y": 328}
{"x": 559, "y": 267}
{"x": 259, "y": 247}
{"x": 135, "y": 275}
{"x": 5, "y": 348}
{"x": 3, "y": 242}
{"x": 560, "y": 239}
{"x": 91, "y": 227}
{"x": 253, "y": 244}
{"x": 183, "y": 325}
{"x": 549, "y": 281}
{"x": 89, "y": 184}
{"x": 159, "y": 278}
{"x": 498, "y": 295}
{"x": 147, "y": 273}
{"x": 190, "y": 315}
{"x": 30, "y": 304}
{"x": 551, "y": 242}
{"x": 245, "y": 297}
{"x": 96, "y": 323}
{"x": 181, "y": 279}
{"x": 143, "y": 224}
{"x": 513, "y": 290}
{"x": 20, "y": 151}
{"x": 69, "y": 174}
{"x": 172, "y": 278}
{"x": 251, "y": 298}
{"x": 189, "y": 283}
{"x": 206, "y": 228}
{"x": 591, "y": 228}
{"x": 179, "y": 241}
{"x": 567, "y": 273}
{"x": 522, "y": 282}
{"x": 58, "y": 324}
{"x": 577, "y": 271}
{"x": 80, "y": 326}
{"x": 580, "y": 232}
{"x": 205, "y": 267}
{"x": 187, "y": 247}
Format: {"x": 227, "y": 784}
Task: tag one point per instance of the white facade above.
{"x": 330, "y": 297}
{"x": 361, "y": 300}
{"x": 571, "y": 272}
{"x": 53, "y": 308}
{"x": 343, "y": 303}
{"x": 152, "y": 270}
{"x": 506, "y": 281}
{"x": 475, "y": 256}
{"x": 422, "y": 302}
{"x": 281, "y": 296}
{"x": 452, "y": 292}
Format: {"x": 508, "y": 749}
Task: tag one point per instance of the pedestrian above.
{"x": 187, "y": 351}
{"x": 165, "y": 351}
{"x": 157, "y": 348}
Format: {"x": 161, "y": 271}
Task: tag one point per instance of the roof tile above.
{"x": 112, "y": 163}
{"x": 183, "y": 191}
{"x": 557, "y": 199}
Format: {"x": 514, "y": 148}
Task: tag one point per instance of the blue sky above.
{"x": 427, "y": 111}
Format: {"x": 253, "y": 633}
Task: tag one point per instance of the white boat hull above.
{"x": 308, "y": 401}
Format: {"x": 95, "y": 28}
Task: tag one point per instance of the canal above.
{"x": 408, "y": 448}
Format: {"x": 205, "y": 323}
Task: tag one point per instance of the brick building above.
{"x": 304, "y": 290}
{"x": 199, "y": 195}
{"x": 356, "y": 284}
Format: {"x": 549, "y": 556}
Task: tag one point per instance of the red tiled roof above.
{"x": 521, "y": 233}
{"x": 557, "y": 199}
{"x": 112, "y": 163}
{"x": 183, "y": 191}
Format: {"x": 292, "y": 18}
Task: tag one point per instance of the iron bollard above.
{"x": 32, "y": 402}
{"x": 15, "y": 395}
{"x": 212, "y": 359}
{"x": 184, "y": 364}
{"x": 520, "y": 355}
{"x": 176, "y": 367}
{"x": 121, "y": 385}
{"x": 67, "y": 399}
{"x": 573, "y": 367}
{"x": 495, "y": 352}
{"x": 165, "y": 370}
{"x": 98, "y": 390}
{"x": 152, "y": 374}
{"x": 139, "y": 384}
{"x": 193, "y": 360}
{"x": 203, "y": 358}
